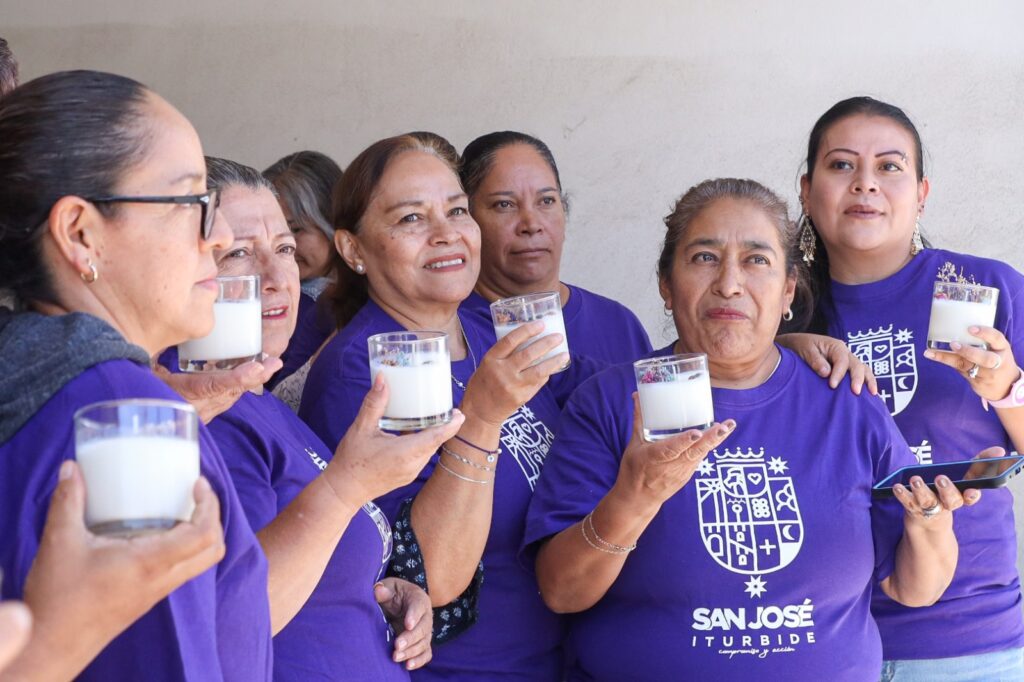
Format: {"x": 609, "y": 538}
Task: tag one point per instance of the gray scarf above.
{"x": 39, "y": 354}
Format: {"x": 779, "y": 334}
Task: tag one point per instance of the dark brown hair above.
{"x": 352, "y": 196}
{"x": 819, "y": 278}
{"x": 700, "y": 196}
{"x": 478, "y": 159}
{"x": 67, "y": 133}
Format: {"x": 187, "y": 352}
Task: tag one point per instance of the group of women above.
{"x": 538, "y": 535}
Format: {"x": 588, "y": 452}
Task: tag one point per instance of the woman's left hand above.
{"x": 924, "y": 509}
{"x": 996, "y": 367}
{"x": 407, "y": 608}
{"x": 831, "y": 359}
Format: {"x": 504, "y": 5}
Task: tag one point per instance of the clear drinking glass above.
{"x": 955, "y": 308}
{"x": 675, "y": 394}
{"x": 510, "y": 313}
{"x": 237, "y": 335}
{"x": 418, "y": 371}
{"x": 140, "y": 462}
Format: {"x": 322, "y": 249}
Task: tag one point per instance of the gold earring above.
{"x": 93, "y": 275}
{"x": 807, "y": 241}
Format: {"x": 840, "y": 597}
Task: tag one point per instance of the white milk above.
{"x": 417, "y": 392}
{"x": 950, "y": 320}
{"x": 677, "y": 405}
{"x": 237, "y": 333}
{"x": 553, "y": 324}
{"x": 138, "y": 477}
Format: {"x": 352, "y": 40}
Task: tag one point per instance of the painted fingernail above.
{"x": 942, "y": 482}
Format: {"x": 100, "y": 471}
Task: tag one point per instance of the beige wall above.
{"x": 637, "y": 100}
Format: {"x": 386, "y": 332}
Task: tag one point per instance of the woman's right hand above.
{"x": 652, "y": 472}
{"x": 84, "y": 590}
{"x": 505, "y": 380}
{"x": 369, "y": 463}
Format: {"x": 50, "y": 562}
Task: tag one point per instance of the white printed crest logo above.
{"x": 749, "y": 518}
{"x": 528, "y": 440}
{"x": 893, "y": 360}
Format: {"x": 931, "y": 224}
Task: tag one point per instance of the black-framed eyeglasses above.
{"x": 208, "y": 203}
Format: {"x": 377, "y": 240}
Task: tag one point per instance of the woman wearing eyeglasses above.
{"x": 107, "y": 235}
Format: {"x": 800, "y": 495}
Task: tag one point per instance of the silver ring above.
{"x": 932, "y": 511}
{"x": 972, "y": 373}
{"x": 999, "y": 362}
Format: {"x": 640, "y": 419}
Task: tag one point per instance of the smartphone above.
{"x": 993, "y": 472}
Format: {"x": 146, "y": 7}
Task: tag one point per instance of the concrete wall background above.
{"x": 637, "y": 100}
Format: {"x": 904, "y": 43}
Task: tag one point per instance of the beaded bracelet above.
{"x": 462, "y": 459}
{"x": 492, "y": 455}
{"x": 612, "y": 548}
{"x": 460, "y": 476}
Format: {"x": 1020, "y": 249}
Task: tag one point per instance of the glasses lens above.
{"x": 210, "y": 212}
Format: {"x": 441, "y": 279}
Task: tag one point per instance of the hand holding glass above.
{"x": 510, "y": 313}
{"x": 957, "y": 307}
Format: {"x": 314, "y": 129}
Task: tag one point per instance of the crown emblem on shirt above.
{"x": 738, "y": 455}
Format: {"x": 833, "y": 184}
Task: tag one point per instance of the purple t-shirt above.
{"x": 885, "y": 323}
{"x": 217, "y": 625}
{"x": 597, "y": 327}
{"x": 340, "y": 632}
{"x": 516, "y": 636}
{"x": 761, "y": 567}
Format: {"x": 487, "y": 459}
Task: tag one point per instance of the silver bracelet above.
{"x": 460, "y": 476}
{"x": 460, "y": 458}
{"x": 611, "y": 547}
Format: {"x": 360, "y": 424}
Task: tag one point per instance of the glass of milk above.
{"x": 237, "y": 335}
{"x": 418, "y": 371}
{"x": 955, "y": 308}
{"x": 140, "y": 461}
{"x": 509, "y": 313}
{"x": 675, "y": 394}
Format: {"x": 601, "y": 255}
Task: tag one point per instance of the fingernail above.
{"x": 694, "y": 437}
{"x": 973, "y": 330}
{"x": 929, "y": 354}
{"x": 942, "y": 482}
{"x": 399, "y": 657}
{"x": 899, "y": 489}
{"x": 955, "y": 345}
{"x": 400, "y": 644}
{"x": 378, "y": 386}
{"x": 66, "y": 468}
{"x": 916, "y": 483}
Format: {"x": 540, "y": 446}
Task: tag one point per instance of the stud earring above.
{"x": 807, "y": 241}
{"x": 360, "y": 268}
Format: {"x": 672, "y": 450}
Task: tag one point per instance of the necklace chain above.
{"x": 469, "y": 350}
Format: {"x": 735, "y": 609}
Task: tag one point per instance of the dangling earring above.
{"x": 807, "y": 241}
{"x": 916, "y": 243}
